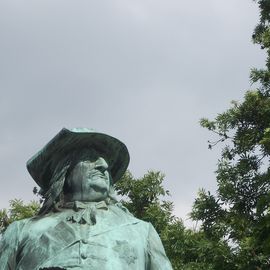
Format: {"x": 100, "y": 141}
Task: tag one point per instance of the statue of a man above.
{"x": 81, "y": 225}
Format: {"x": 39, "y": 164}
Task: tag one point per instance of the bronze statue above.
{"x": 81, "y": 225}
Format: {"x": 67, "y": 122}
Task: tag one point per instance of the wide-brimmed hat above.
{"x": 42, "y": 165}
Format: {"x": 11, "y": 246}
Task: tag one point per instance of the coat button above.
{"x": 84, "y": 241}
{"x": 83, "y": 256}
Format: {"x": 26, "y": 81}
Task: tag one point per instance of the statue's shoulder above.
{"x": 122, "y": 208}
{"x": 18, "y": 224}
{"x": 126, "y": 216}
{"x": 37, "y": 222}
{"x": 15, "y": 229}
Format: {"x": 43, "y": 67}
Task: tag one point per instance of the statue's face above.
{"x": 88, "y": 181}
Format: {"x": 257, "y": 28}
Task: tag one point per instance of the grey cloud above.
{"x": 144, "y": 71}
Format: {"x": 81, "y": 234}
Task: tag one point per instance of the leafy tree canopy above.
{"x": 239, "y": 212}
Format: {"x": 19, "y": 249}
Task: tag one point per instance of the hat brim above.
{"x": 67, "y": 142}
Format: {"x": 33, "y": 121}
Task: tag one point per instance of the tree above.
{"x": 261, "y": 36}
{"x": 239, "y": 213}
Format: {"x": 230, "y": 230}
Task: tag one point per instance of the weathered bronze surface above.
{"x": 81, "y": 225}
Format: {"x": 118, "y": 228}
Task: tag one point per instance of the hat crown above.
{"x": 82, "y": 130}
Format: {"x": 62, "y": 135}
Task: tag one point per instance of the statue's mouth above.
{"x": 99, "y": 186}
{"x": 96, "y": 174}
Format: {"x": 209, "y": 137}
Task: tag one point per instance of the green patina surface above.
{"x": 81, "y": 225}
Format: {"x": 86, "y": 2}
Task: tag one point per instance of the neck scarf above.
{"x": 85, "y": 212}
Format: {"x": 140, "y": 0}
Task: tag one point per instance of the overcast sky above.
{"x": 144, "y": 71}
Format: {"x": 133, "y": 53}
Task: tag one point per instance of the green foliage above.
{"x": 240, "y": 212}
{"x": 261, "y": 36}
{"x": 17, "y": 210}
{"x": 142, "y": 198}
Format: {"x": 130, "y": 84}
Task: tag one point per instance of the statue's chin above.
{"x": 96, "y": 194}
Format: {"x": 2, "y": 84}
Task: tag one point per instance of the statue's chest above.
{"x": 102, "y": 246}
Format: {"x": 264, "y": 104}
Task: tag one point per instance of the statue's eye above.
{"x": 101, "y": 168}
